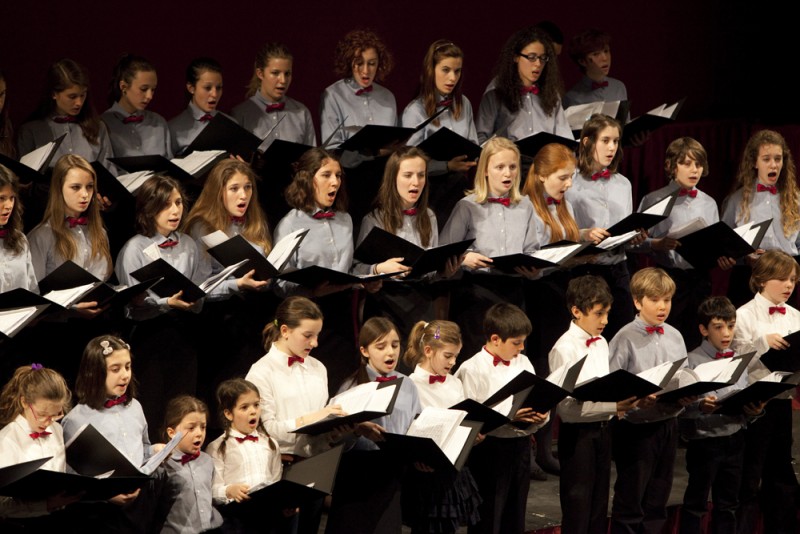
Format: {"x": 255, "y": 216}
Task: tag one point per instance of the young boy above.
{"x": 591, "y": 51}
{"x": 584, "y": 442}
{"x": 500, "y": 465}
{"x": 645, "y": 439}
{"x": 760, "y": 326}
{"x": 715, "y": 450}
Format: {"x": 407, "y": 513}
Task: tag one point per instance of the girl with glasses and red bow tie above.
{"x": 293, "y": 386}
{"x": 268, "y": 112}
{"x": 31, "y": 404}
{"x": 526, "y": 98}
{"x": 402, "y": 209}
{"x": 203, "y": 91}
{"x": 765, "y": 188}
{"x": 600, "y": 198}
{"x": 502, "y": 222}
{"x": 134, "y": 129}
{"x": 245, "y": 456}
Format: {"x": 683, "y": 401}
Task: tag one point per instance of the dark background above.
{"x": 731, "y": 60}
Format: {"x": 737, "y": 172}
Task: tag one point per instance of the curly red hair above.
{"x": 350, "y": 48}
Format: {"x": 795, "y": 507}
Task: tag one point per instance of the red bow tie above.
{"x": 445, "y": 103}
{"x": 186, "y": 458}
{"x": 169, "y": 243}
{"x": 411, "y": 211}
{"x": 132, "y": 118}
{"x": 367, "y": 89}
{"x": 505, "y": 201}
{"x": 436, "y": 378}
{"x": 246, "y": 438}
{"x": 3, "y": 233}
{"x": 205, "y": 118}
{"x": 599, "y": 85}
{"x": 591, "y": 340}
{"x": 551, "y": 200}
{"x": 324, "y": 215}
{"x": 498, "y": 360}
{"x": 275, "y": 107}
{"x": 777, "y": 309}
{"x": 692, "y": 193}
{"x": 385, "y": 378}
{"x": 65, "y": 119}
{"x": 75, "y": 221}
{"x": 37, "y": 435}
{"x": 238, "y": 220}
{"x": 533, "y": 89}
{"x": 113, "y": 402}
{"x": 293, "y": 359}
{"x": 771, "y": 188}
{"x": 605, "y": 174}
{"x": 720, "y": 355}
{"x": 654, "y": 329}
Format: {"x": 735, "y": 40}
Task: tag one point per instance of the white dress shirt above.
{"x": 246, "y": 462}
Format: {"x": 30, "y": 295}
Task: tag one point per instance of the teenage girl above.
{"x": 190, "y": 470}
{"x": 441, "y": 86}
{"x": 64, "y": 109}
{"x": 365, "y": 470}
{"x": 16, "y": 265}
{"x": 244, "y": 456}
{"x": 30, "y": 403}
{"x": 600, "y": 198}
{"x": 165, "y": 333}
{"x": 766, "y": 187}
{"x": 7, "y": 147}
{"x": 294, "y": 387}
{"x": 203, "y": 91}
{"x": 501, "y": 221}
{"x": 135, "y": 131}
{"x": 433, "y": 502}
{"x": 267, "y": 102}
{"x": 527, "y": 97}
{"x": 356, "y": 100}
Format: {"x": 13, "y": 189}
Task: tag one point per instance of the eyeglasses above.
{"x": 533, "y": 58}
{"x": 50, "y": 418}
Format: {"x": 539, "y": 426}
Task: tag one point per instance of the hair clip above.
{"x": 107, "y": 349}
{"x": 443, "y": 45}
{"x": 37, "y": 366}
{"x": 275, "y": 322}
{"x": 436, "y": 334}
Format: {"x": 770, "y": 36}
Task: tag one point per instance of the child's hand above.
{"x": 775, "y": 341}
{"x": 460, "y": 164}
{"x": 725, "y": 263}
{"x": 595, "y": 235}
{"x": 124, "y": 498}
{"x": 392, "y": 265}
{"x": 708, "y": 404}
{"x": 313, "y": 417}
{"x": 646, "y": 402}
{"x": 56, "y": 502}
{"x": 479, "y": 438}
{"x": 423, "y": 468}
{"x": 754, "y": 408}
{"x": 528, "y": 272}
{"x": 624, "y": 406}
{"x": 248, "y": 282}
{"x": 237, "y": 492}
{"x": 665, "y": 244}
{"x": 475, "y": 260}
{"x": 176, "y": 303}
{"x": 87, "y": 310}
{"x": 374, "y": 286}
{"x": 371, "y": 431}
{"x": 527, "y": 415}
{"x": 751, "y": 259}
{"x": 640, "y": 237}
{"x": 451, "y": 267}
{"x": 157, "y": 447}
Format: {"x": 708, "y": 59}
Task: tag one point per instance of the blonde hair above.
{"x": 33, "y": 382}
{"x": 494, "y": 146}
{"x": 651, "y": 282}
{"x": 435, "y": 334}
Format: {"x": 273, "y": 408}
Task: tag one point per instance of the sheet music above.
{"x": 748, "y": 232}
{"x": 690, "y": 227}
{"x": 154, "y": 461}
{"x": 557, "y": 377}
{"x": 660, "y": 207}
{"x": 283, "y": 249}
{"x": 218, "y": 278}
{"x": 613, "y": 241}
{"x": 36, "y": 158}
{"x": 134, "y": 180}
{"x": 716, "y": 371}
{"x": 12, "y": 320}
{"x": 504, "y": 407}
{"x": 213, "y": 239}
{"x": 437, "y": 424}
{"x": 556, "y": 254}
{"x": 657, "y": 374}
{"x": 197, "y": 160}
{"x": 456, "y": 443}
{"x": 65, "y": 297}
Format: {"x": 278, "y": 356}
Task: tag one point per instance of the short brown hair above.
{"x": 772, "y": 265}
{"x": 151, "y": 198}
{"x": 584, "y": 292}
{"x": 507, "y": 321}
{"x": 585, "y": 43}
{"x": 651, "y": 282}
{"x": 679, "y": 150}
{"x": 178, "y": 408}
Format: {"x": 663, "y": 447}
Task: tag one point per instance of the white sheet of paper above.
{"x": 134, "y": 180}
{"x": 213, "y": 281}
{"x": 613, "y": 241}
{"x": 282, "y": 250}
{"x": 66, "y": 297}
{"x": 12, "y": 320}
{"x": 685, "y": 229}
{"x": 456, "y": 443}
{"x": 198, "y": 159}
{"x": 35, "y": 158}
{"x": 213, "y": 239}
{"x": 659, "y": 207}
{"x": 656, "y": 374}
{"x": 437, "y": 424}
{"x": 556, "y": 254}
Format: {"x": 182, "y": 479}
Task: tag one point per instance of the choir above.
{"x": 286, "y": 329}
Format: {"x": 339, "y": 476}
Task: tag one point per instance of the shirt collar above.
{"x": 233, "y": 433}
{"x": 373, "y": 374}
{"x": 120, "y": 111}
{"x": 710, "y": 351}
{"x": 642, "y": 325}
{"x": 764, "y": 303}
{"x": 266, "y": 101}
{"x": 578, "y": 332}
{"x": 197, "y": 112}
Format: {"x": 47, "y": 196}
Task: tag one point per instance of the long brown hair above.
{"x": 588, "y": 140}
{"x": 151, "y": 198}
{"x": 264, "y": 54}
{"x": 210, "y": 211}
{"x": 90, "y": 386}
{"x": 7, "y": 145}
{"x": 15, "y": 239}
{"x": 228, "y": 393}
{"x": 390, "y": 203}
{"x": 33, "y": 382}
{"x": 437, "y": 52}
{"x": 55, "y": 213}
{"x": 291, "y": 312}
{"x": 178, "y": 408}
{"x": 551, "y": 159}
{"x": 374, "y": 329}
{"x": 300, "y": 193}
